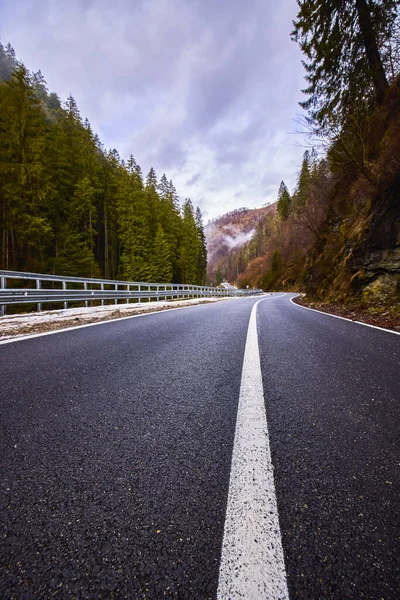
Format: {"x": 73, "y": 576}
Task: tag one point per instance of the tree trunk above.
{"x": 371, "y": 48}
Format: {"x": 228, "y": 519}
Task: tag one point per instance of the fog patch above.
{"x": 237, "y": 238}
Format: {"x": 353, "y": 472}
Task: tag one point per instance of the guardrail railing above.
{"x": 50, "y": 289}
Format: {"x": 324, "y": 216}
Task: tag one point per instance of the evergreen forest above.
{"x": 68, "y": 206}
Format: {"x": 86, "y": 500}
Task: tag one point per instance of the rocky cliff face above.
{"x": 377, "y": 260}
{"x": 359, "y": 254}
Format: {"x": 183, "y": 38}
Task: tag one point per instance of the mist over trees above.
{"x": 69, "y": 206}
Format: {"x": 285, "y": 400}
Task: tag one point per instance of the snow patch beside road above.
{"x": 22, "y": 325}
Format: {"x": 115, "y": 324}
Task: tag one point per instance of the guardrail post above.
{"x": 116, "y": 289}
{"x": 64, "y": 284}
{"x": 102, "y": 289}
{"x": 3, "y": 286}
{"x": 128, "y": 289}
{"x": 85, "y": 288}
{"x": 39, "y": 304}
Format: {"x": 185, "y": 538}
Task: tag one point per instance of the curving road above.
{"x": 116, "y": 454}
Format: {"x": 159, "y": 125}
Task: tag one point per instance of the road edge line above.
{"x": 252, "y": 562}
{"x": 321, "y": 312}
{"x": 74, "y": 327}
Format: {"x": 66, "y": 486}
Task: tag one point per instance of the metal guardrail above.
{"x": 79, "y": 289}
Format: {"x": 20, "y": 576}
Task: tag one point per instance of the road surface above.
{"x": 118, "y": 454}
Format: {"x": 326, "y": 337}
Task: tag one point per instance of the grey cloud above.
{"x": 170, "y": 154}
{"x": 193, "y": 179}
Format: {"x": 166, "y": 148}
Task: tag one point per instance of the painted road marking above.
{"x": 252, "y": 564}
{"x": 321, "y": 312}
{"x": 30, "y": 336}
{"x": 23, "y": 337}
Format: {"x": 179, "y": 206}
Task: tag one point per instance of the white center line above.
{"x": 252, "y": 564}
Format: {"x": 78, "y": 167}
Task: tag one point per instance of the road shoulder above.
{"x": 20, "y": 326}
{"x": 388, "y": 320}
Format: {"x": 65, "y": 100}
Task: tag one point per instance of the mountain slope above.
{"x": 228, "y": 238}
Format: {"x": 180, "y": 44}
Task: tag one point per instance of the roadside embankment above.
{"x": 386, "y": 316}
{"x": 12, "y": 326}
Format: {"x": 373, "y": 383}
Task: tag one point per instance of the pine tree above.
{"x": 202, "y": 255}
{"x": 284, "y": 201}
{"x": 170, "y": 220}
{"x": 134, "y": 231}
{"x": 25, "y": 229}
{"x": 108, "y": 250}
{"x": 153, "y": 201}
{"x": 11, "y": 53}
{"x": 77, "y": 235}
{"x": 342, "y": 40}
{"x": 53, "y": 102}
{"x": 174, "y": 196}
{"x": 303, "y": 189}
{"x": 71, "y": 158}
{"x": 8, "y": 62}
{"x": 163, "y": 187}
{"x": 190, "y": 247}
{"x": 151, "y": 181}
{"x": 40, "y": 86}
{"x": 161, "y": 270}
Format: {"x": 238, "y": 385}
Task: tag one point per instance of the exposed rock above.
{"x": 383, "y": 286}
{"x": 378, "y": 257}
{"x": 384, "y": 260}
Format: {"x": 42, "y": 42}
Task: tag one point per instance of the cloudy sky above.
{"x": 206, "y": 91}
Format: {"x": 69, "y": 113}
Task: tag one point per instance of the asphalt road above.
{"x": 117, "y": 441}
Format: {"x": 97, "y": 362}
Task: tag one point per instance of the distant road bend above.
{"x": 243, "y": 449}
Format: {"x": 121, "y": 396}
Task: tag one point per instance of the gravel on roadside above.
{"x": 386, "y": 317}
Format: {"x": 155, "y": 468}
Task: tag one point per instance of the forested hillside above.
{"x": 235, "y": 239}
{"x": 336, "y": 236}
{"x": 69, "y": 206}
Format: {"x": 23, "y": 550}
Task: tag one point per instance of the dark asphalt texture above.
{"x": 332, "y": 391}
{"x": 117, "y": 440}
{"x": 116, "y": 455}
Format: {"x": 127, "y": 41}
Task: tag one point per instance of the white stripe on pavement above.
{"x": 29, "y": 336}
{"x": 252, "y": 564}
{"x": 321, "y": 312}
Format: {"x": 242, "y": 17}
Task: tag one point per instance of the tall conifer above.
{"x": 342, "y": 41}
{"x": 284, "y": 201}
{"x": 202, "y": 253}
